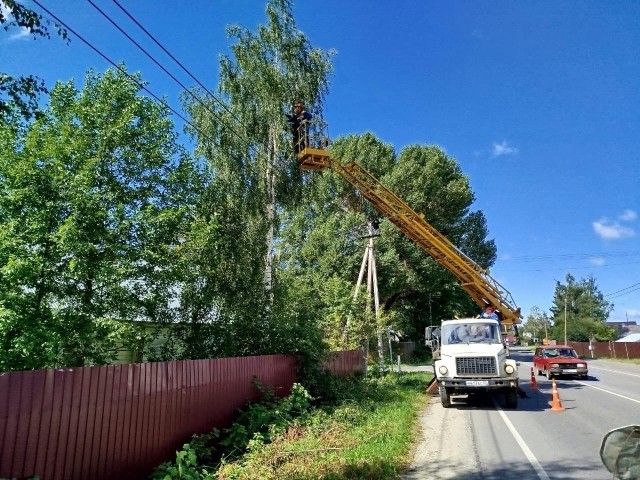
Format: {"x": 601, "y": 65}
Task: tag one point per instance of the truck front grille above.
{"x": 476, "y": 365}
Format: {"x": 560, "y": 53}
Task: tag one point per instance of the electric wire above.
{"x": 131, "y": 77}
{"x": 569, "y": 256}
{"x": 243, "y": 138}
{"x": 143, "y": 50}
{"x": 619, "y": 293}
{"x": 154, "y": 60}
{"x": 185, "y": 69}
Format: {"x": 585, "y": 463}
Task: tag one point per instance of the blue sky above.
{"x": 539, "y": 102}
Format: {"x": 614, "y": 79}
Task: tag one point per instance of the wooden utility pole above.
{"x": 369, "y": 265}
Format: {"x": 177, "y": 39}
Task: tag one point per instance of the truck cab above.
{"x": 473, "y": 358}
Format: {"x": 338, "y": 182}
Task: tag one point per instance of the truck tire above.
{"x": 445, "y": 397}
{"x": 511, "y": 398}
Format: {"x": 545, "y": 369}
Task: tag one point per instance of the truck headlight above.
{"x": 509, "y": 369}
{"x": 443, "y": 370}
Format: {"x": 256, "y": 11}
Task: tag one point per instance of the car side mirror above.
{"x": 620, "y": 452}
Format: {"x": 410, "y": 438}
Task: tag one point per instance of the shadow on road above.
{"x": 521, "y": 471}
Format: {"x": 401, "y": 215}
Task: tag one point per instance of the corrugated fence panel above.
{"x": 626, "y": 350}
{"x": 344, "y": 363}
{"x": 121, "y": 421}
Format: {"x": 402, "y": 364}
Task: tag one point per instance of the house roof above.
{"x": 634, "y": 337}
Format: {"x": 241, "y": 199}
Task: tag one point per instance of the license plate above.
{"x": 570, "y": 370}
{"x": 478, "y": 383}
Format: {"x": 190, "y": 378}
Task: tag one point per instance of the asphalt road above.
{"x": 480, "y": 439}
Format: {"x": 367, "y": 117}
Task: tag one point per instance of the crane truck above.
{"x": 472, "y": 355}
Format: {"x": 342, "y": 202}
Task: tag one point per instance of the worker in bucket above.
{"x": 299, "y": 123}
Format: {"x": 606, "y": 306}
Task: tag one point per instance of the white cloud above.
{"x": 22, "y": 33}
{"x": 503, "y": 149}
{"x": 597, "y": 261}
{"x": 613, "y": 230}
{"x": 609, "y": 230}
{"x": 628, "y": 216}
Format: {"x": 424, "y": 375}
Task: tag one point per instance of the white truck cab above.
{"x": 473, "y": 358}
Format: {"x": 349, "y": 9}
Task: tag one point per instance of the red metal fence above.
{"x": 626, "y": 350}
{"x": 344, "y": 363}
{"x": 121, "y": 421}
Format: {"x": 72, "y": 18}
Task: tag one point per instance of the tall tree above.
{"x": 538, "y": 324}
{"x": 96, "y": 196}
{"x": 582, "y": 308}
{"x": 244, "y": 138}
{"x": 322, "y": 239}
{"x": 433, "y": 184}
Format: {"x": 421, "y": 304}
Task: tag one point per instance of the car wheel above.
{"x": 584, "y": 377}
{"x": 539, "y": 372}
{"x": 511, "y": 398}
{"x": 445, "y": 397}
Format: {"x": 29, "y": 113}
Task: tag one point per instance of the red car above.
{"x": 555, "y": 360}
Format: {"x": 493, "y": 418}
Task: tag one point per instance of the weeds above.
{"x": 367, "y": 434}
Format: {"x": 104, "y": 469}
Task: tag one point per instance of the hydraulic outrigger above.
{"x": 313, "y": 154}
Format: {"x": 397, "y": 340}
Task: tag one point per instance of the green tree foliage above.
{"x": 244, "y": 139}
{"x": 323, "y": 244}
{"x": 21, "y": 94}
{"x": 537, "y": 326}
{"x": 585, "y": 309}
{"x": 433, "y": 184}
{"x": 95, "y": 198}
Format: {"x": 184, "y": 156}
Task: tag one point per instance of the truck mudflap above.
{"x": 480, "y": 383}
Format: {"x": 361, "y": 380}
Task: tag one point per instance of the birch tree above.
{"x": 242, "y": 134}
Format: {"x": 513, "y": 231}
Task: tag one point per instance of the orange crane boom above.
{"x": 476, "y": 281}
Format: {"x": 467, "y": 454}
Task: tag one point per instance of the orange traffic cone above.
{"x": 556, "y": 405}
{"x": 534, "y": 383}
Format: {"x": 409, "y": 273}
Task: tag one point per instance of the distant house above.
{"x": 625, "y": 328}
{"x": 633, "y": 337}
{"x": 158, "y": 332}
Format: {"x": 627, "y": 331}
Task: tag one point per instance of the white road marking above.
{"x": 608, "y": 391}
{"x": 613, "y": 371}
{"x": 542, "y": 475}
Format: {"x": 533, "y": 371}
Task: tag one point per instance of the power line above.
{"x": 143, "y": 50}
{"x": 131, "y": 77}
{"x": 556, "y": 269}
{"x": 568, "y": 256}
{"x": 184, "y": 87}
{"x": 619, "y": 293}
{"x": 243, "y": 138}
{"x": 220, "y": 102}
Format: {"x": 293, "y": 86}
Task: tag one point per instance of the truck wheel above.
{"x": 445, "y": 397}
{"x": 511, "y": 398}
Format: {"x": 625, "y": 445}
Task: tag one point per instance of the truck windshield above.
{"x": 476, "y": 332}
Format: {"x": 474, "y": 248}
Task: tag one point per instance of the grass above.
{"x": 369, "y": 435}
